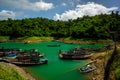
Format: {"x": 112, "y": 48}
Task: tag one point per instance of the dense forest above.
{"x": 95, "y": 27}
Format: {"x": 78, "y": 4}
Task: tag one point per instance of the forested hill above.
{"x": 95, "y": 27}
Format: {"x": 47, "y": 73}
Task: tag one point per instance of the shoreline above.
{"x": 98, "y": 73}
{"x": 20, "y": 71}
{"x": 100, "y": 63}
{"x": 36, "y": 39}
{"x": 64, "y": 41}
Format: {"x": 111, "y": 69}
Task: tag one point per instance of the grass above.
{"x": 8, "y": 73}
{"x": 116, "y": 66}
{"x": 4, "y": 38}
{"x": 38, "y": 38}
{"x": 35, "y": 39}
{"x": 72, "y": 40}
{"x": 65, "y": 39}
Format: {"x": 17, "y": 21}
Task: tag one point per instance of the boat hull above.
{"x": 53, "y": 45}
{"x": 74, "y": 57}
{"x": 29, "y": 63}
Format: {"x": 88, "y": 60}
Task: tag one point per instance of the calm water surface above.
{"x": 56, "y": 69}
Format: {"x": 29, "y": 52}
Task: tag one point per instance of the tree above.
{"x": 112, "y": 30}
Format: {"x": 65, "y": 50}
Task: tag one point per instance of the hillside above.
{"x": 95, "y": 27}
{"x": 12, "y": 72}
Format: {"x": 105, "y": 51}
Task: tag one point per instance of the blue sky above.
{"x": 55, "y": 9}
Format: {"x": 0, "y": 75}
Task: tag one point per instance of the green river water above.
{"x": 56, "y": 69}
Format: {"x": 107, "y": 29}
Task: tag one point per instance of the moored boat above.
{"x": 77, "y": 53}
{"x": 74, "y": 56}
{"x": 2, "y": 54}
{"x": 87, "y": 67}
{"x": 53, "y": 45}
{"x": 30, "y": 63}
{"x": 29, "y": 58}
{"x": 23, "y": 58}
{"x": 8, "y": 52}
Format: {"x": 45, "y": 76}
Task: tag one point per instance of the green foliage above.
{"x": 4, "y": 37}
{"x": 33, "y": 38}
{"x": 8, "y": 73}
{"x": 116, "y": 66}
{"x": 95, "y": 27}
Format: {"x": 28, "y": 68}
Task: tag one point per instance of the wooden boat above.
{"x": 30, "y": 63}
{"x": 87, "y": 67}
{"x": 25, "y": 62}
{"x": 41, "y": 55}
{"x": 35, "y": 52}
{"x": 53, "y": 45}
{"x": 9, "y": 52}
{"x": 74, "y": 56}
{"x": 24, "y": 58}
{"x": 2, "y": 54}
{"x": 77, "y": 53}
{"x": 27, "y": 59}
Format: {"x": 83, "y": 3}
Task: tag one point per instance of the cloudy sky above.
{"x": 55, "y": 9}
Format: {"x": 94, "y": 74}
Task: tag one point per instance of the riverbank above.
{"x": 19, "y": 71}
{"x": 100, "y": 58}
{"x": 26, "y": 39}
{"x": 100, "y": 62}
{"x": 36, "y": 39}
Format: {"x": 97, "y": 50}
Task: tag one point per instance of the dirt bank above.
{"x": 101, "y": 59}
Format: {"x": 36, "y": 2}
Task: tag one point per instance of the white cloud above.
{"x": 26, "y": 4}
{"x": 5, "y": 14}
{"x": 89, "y": 9}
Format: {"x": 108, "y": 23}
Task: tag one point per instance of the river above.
{"x": 56, "y": 69}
